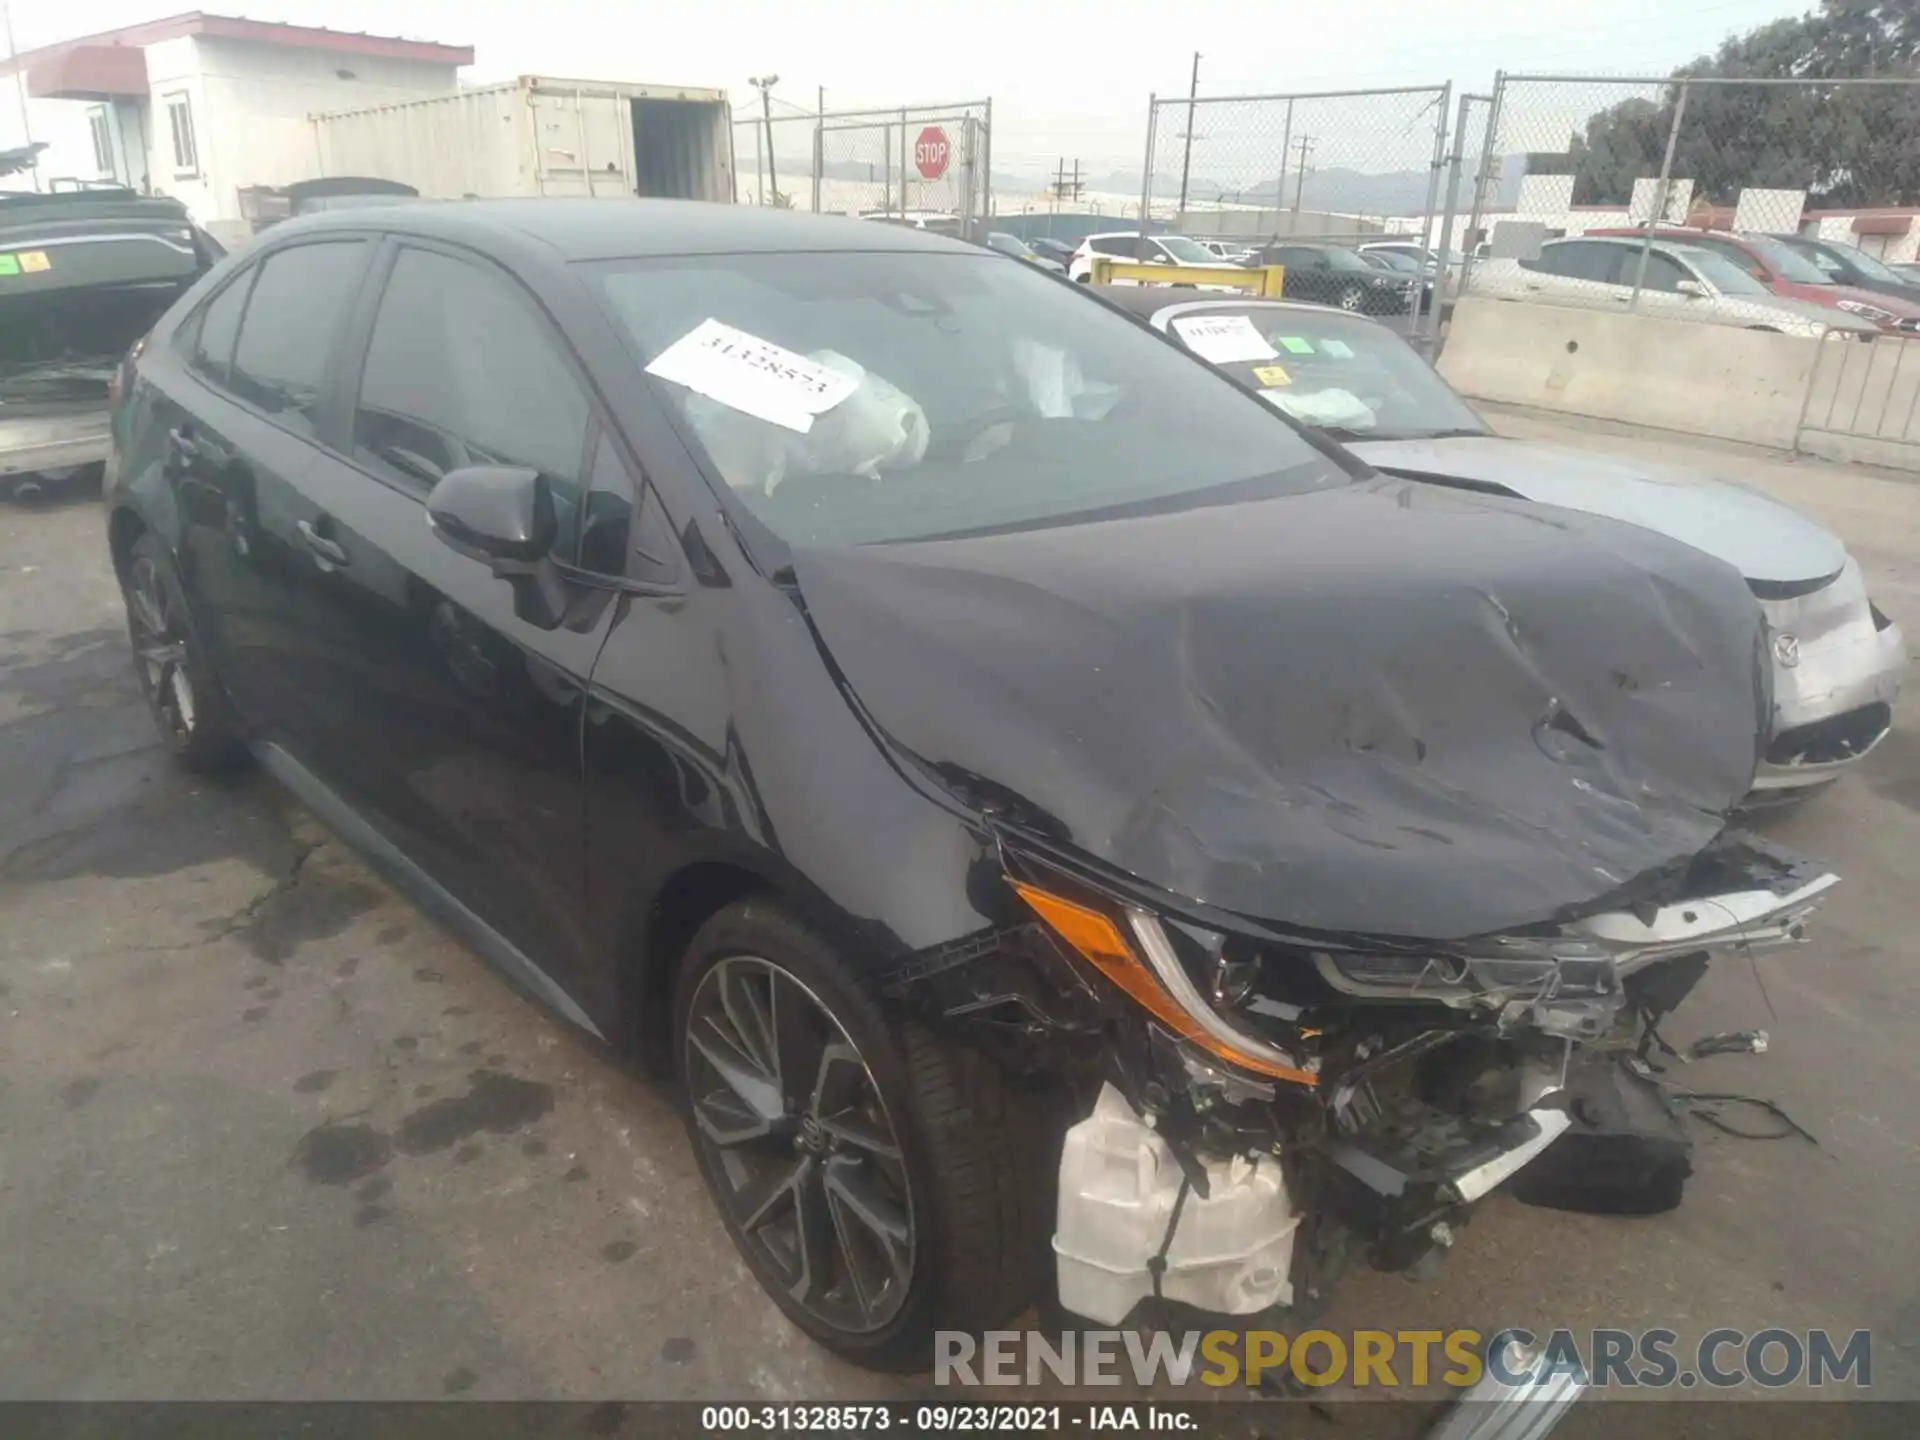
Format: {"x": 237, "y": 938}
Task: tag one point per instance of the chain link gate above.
{"x": 1341, "y": 167}
{"x": 929, "y": 162}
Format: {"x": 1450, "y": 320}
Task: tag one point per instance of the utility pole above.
{"x": 20, "y": 90}
{"x": 1186, "y": 156}
{"x": 764, "y": 84}
{"x": 1305, "y": 146}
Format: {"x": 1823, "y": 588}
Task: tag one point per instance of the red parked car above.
{"x": 1787, "y": 272}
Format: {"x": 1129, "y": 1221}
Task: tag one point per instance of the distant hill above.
{"x": 1398, "y": 192}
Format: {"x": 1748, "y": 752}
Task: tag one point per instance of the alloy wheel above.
{"x": 797, "y": 1139}
{"x": 160, "y": 650}
{"x": 1352, "y": 298}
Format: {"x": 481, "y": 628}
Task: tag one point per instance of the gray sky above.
{"x": 1065, "y": 76}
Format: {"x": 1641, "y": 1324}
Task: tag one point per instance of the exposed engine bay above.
{"x": 1256, "y": 1112}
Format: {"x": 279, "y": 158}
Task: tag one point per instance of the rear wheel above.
{"x": 867, "y": 1171}
{"x": 1353, "y": 298}
{"x": 186, "y": 705}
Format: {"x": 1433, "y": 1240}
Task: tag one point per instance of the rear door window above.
{"x": 463, "y": 370}
{"x": 291, "y": 322}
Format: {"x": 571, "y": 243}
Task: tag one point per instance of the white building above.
{"x": 199, "y": 106}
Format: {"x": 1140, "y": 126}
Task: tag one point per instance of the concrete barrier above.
{"x": 1672, "y": 374}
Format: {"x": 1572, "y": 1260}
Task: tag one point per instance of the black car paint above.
{"x": 585, "y": 794}
{"x": 342, "y": 672}
{"x": 1849, "y": 273}
{"x": 1379, "y": 292}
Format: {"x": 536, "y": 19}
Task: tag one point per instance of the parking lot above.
{"x": 268, "y": 1133}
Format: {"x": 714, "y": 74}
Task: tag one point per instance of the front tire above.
{"x": 868, "y": 1171}
{"x": 181, "y": 692}
{"x": 1353, "y": 299}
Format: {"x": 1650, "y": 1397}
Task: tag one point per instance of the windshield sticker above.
{"x": 1223, "y": 339}
{"x": 1339, "y": 349}
{"x": 753, "y": 376}
{"x": 34, "y": 261}
{"x": 1270, "y": 375}
{"x": 1295, "y": 344}
{"x": 9, "y": 265}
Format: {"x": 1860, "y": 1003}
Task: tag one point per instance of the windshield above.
{"x": 1866, "y": 264}
{"x": 1787, "y": 262}
{"x": 854, "y": 398}
{"x": 1187, "y": 252}
{"x": 1341, "y": 259}
{"x": 1722, "y": 273}
{"x": 1355, "y": 379}
{"x": 1394, "y": 260}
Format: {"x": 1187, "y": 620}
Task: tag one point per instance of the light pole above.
{"x": 1186, "y": 155}
{"x": 764, "y": 84}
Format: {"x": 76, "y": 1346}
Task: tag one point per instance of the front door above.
{"x": 445, "y": 719}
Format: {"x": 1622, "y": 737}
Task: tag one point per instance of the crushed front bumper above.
{"x": 1838, "y": 664}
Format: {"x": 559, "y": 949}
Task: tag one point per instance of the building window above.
{"x": 186, "y": 157}
{"x": 101, "y": 129}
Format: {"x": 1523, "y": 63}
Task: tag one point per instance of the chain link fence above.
{"x": 1307, "y": 180}
{"x": 1694, "y": 197}
{"x": 920, "y": 164}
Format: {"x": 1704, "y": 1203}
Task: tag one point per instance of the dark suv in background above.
{"x": 83, "y": 274}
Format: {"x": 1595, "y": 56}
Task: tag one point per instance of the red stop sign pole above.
{"x": 931, "y": 153}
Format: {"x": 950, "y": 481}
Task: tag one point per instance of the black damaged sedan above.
{"x": 1050, "y": 816}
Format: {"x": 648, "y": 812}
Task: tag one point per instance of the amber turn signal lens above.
{"x": 1102, "y": 945}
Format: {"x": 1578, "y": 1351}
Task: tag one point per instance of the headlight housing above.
{"x": 1133, "y": 951}
{"x": 1868, "y": 312}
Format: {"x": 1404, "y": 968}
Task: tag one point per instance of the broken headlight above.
{"x": 1132, "y": 948}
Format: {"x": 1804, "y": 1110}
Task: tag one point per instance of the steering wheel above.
{"x": 952, "y": 444}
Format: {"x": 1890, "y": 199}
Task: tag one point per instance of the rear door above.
{"x": 447, "y": 721}
{"x": 236, "y": 417}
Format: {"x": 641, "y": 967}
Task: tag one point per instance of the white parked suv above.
{"x": 1682, "y": 282}
{"x": 1129, "y": 245}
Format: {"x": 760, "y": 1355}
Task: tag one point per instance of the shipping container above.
{"x": 541, "y": 136}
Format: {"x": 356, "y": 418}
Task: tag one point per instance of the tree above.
{"x": 1845, "y": 145}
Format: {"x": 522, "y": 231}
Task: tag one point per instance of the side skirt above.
{"x": 426, "y": 892}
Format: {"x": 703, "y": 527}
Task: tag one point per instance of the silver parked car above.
{"x": 1682, "y": 282}
{"x": 1838, "y": 661}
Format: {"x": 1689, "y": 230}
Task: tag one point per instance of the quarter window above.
{"x": 186, "y": 154}
{"x": 219, "y": 325}
{"x": 286, "y": 339}
{"x": 461, "y": 370}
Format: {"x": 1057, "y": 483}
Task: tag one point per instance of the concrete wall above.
{"x": 1671, "y": 374}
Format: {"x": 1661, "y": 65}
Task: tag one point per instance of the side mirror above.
{"x": 1692, "y": 289}
{"x": 502, "y": 516}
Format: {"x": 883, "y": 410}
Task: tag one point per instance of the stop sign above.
{"x": 930, "y": 152}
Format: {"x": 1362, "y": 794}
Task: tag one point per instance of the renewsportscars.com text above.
{"x": 1391, "y": 1359}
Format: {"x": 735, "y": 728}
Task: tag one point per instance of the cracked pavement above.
{"x": 266, "y": 1132}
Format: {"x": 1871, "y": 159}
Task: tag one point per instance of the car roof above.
{"x": 630, "y": 229}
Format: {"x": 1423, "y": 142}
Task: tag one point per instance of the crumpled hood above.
{"x": 1387, "y": 709}
{"x": 1758, "y": 536}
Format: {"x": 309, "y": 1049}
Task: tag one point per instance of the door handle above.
{"x": 328, "y": 550}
